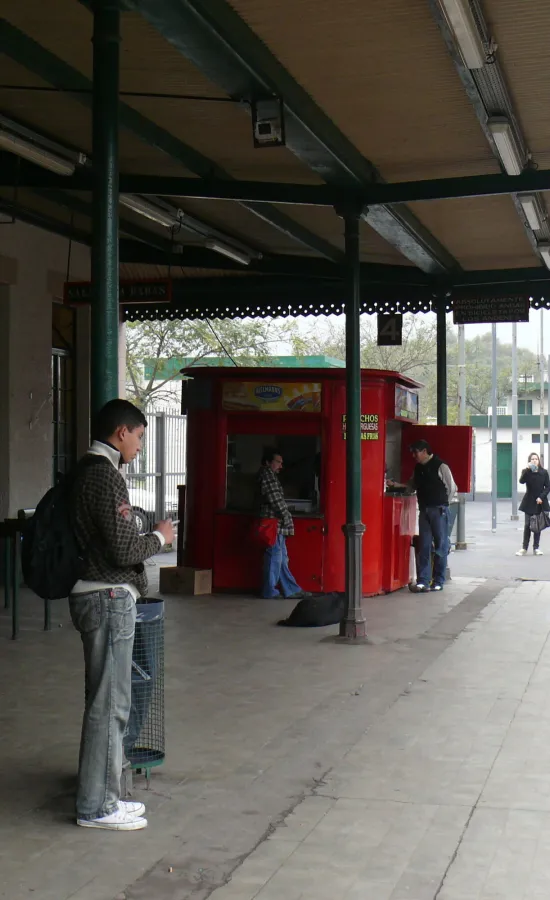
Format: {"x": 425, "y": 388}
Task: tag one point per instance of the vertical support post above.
{"x": 461, "y": 515}
{"x": 160, "y": 458}
{"x": 353, "y": 624}
{"x": 542, "y": 368}
{"x": 494, "y": 401}
{"x": 514, "y": 517}
{"x": 105, "y": 263}
{"x": 441, "y": 338}
{"x": 7, "y": 570}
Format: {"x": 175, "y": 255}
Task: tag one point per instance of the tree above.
{"x": 253, "y": 341}
{"x": 417, "y": 358}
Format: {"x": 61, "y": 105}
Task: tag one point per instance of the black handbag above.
{"x": 539, "y": 522}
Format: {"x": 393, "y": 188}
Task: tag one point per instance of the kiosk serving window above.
{"x": 300, "y": 476}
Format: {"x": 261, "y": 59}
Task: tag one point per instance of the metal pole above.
{"x": 160, "y": 466}
{"x": 514, "y": 517}
{"x": 461, "y": 515}
{"x": 541, "y": 378}
{"x": 441, "y": 337}
{"x": 105, "y": 268}
{"x": 353, "y": 624}
{"x": 494, "y": 400}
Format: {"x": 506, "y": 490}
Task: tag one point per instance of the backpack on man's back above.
{"x": 51, "y": 559}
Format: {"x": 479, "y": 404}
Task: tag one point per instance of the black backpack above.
{"x": 51, "y": 559}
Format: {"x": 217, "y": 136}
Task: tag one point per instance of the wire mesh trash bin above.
{"x": 144, "y": 737}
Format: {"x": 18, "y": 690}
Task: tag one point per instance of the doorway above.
{"x": 504, "y": 470}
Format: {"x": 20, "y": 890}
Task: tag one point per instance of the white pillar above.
{"x": 25, "y": 391}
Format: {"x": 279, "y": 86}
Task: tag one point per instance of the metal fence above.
{"x": 153, "y": 477}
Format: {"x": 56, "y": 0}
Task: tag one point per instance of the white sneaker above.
{"x": 120, "y": 820}
{"x": 538, "y": 552}
{"x": 133, "y": 807}
{"x": 521, "y": 552}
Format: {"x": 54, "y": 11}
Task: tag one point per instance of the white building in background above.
{"x": 528, "y": 438}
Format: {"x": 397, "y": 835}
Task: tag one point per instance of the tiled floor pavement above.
{"x": 413, "y": 767}
{"x": 447, "y": 794}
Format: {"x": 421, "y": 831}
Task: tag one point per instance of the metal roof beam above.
{"x": 35, "y": 58}
{"x": 25, "y": 175}
{"x": 221, "y": 45}
{"x": 280, "y": 265}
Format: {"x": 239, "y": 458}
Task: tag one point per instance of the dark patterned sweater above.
{"x": 106, "y": 529}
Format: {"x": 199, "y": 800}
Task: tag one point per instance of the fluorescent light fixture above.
{"x": 544, "y": 250}
{"x": 460, "y": 18}
{"x": 35, "y": 154}
{"x": 508, "y": 150}
{"x": 149, "y": 210}
{"x": 531, "y": 210}
{"x": 231, "y": 252}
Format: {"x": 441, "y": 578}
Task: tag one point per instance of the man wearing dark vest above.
{"x": 435, "y": 489}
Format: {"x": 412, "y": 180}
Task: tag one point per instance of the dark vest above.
{"x": 430, "y": 490}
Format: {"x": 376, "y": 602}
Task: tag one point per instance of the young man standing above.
{"x": 435, "y": 489}
{"x": 103, "y": 610}
{"x": 273, "y": 506}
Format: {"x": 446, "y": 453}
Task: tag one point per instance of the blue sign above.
{"x": 269, "y": 393}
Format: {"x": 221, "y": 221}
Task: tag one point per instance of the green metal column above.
{"x": 441, "y": 361}
{"x": 353, "y": 624}
{"x": 105, "y": 268}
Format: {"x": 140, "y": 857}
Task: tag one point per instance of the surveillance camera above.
{"x": 268, "y": 123}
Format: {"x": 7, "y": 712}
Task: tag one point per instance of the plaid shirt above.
{"x": 106, "y": 530}
{"x": 273, "y": 503}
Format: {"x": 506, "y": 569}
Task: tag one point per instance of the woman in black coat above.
{"x": 537, "y": 488}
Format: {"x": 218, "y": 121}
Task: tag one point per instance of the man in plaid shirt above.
{"x": 276, "y": 572}
{"x": 103, "y": 609}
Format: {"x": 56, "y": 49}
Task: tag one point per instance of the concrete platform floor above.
{"x": 415, "y": 766}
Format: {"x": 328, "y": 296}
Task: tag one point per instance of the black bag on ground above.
{"x": 316, "y": 611}
{"x": 51, "y": 559}
{"x": 539, "y": 522}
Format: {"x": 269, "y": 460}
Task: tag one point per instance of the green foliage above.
{"x": 417, "y": 359}
{"x": 257, "y": 339}
{"x": 253, "y": 339}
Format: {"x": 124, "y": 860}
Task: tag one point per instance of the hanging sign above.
{"x": 369, "y": 427}
{"x": 390, "y": 330}
{"x": 259, "y": 396}
{"x": 146, "y": 291}
{"x": 477, "y": 310}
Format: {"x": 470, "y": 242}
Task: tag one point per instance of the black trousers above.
{"x": 527, "y": 534}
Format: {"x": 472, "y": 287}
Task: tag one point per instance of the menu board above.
{"x": 286, "y": 396}
{"x": 406, "y": 404}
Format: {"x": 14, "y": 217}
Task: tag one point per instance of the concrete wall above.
{"x": 33, "y": 264}
{"x": 483, "y": 446}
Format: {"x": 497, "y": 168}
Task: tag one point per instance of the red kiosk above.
{"x": 233, "y": 414}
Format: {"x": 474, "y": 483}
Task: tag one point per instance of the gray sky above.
{"x": 528, "y": 332}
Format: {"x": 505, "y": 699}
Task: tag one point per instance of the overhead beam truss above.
{"x": 25, "y": 175}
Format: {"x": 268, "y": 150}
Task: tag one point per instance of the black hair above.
{"x": 421, "y": 445}
{"x": 269, "y": 455}
{"x": 113, "y": 415}
{"x": 533, "y": 453}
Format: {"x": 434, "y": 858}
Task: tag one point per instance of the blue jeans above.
{"x": 276, "y": 571}
{"x": 106, "y": 622}
{"x": 433, "y": 529}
